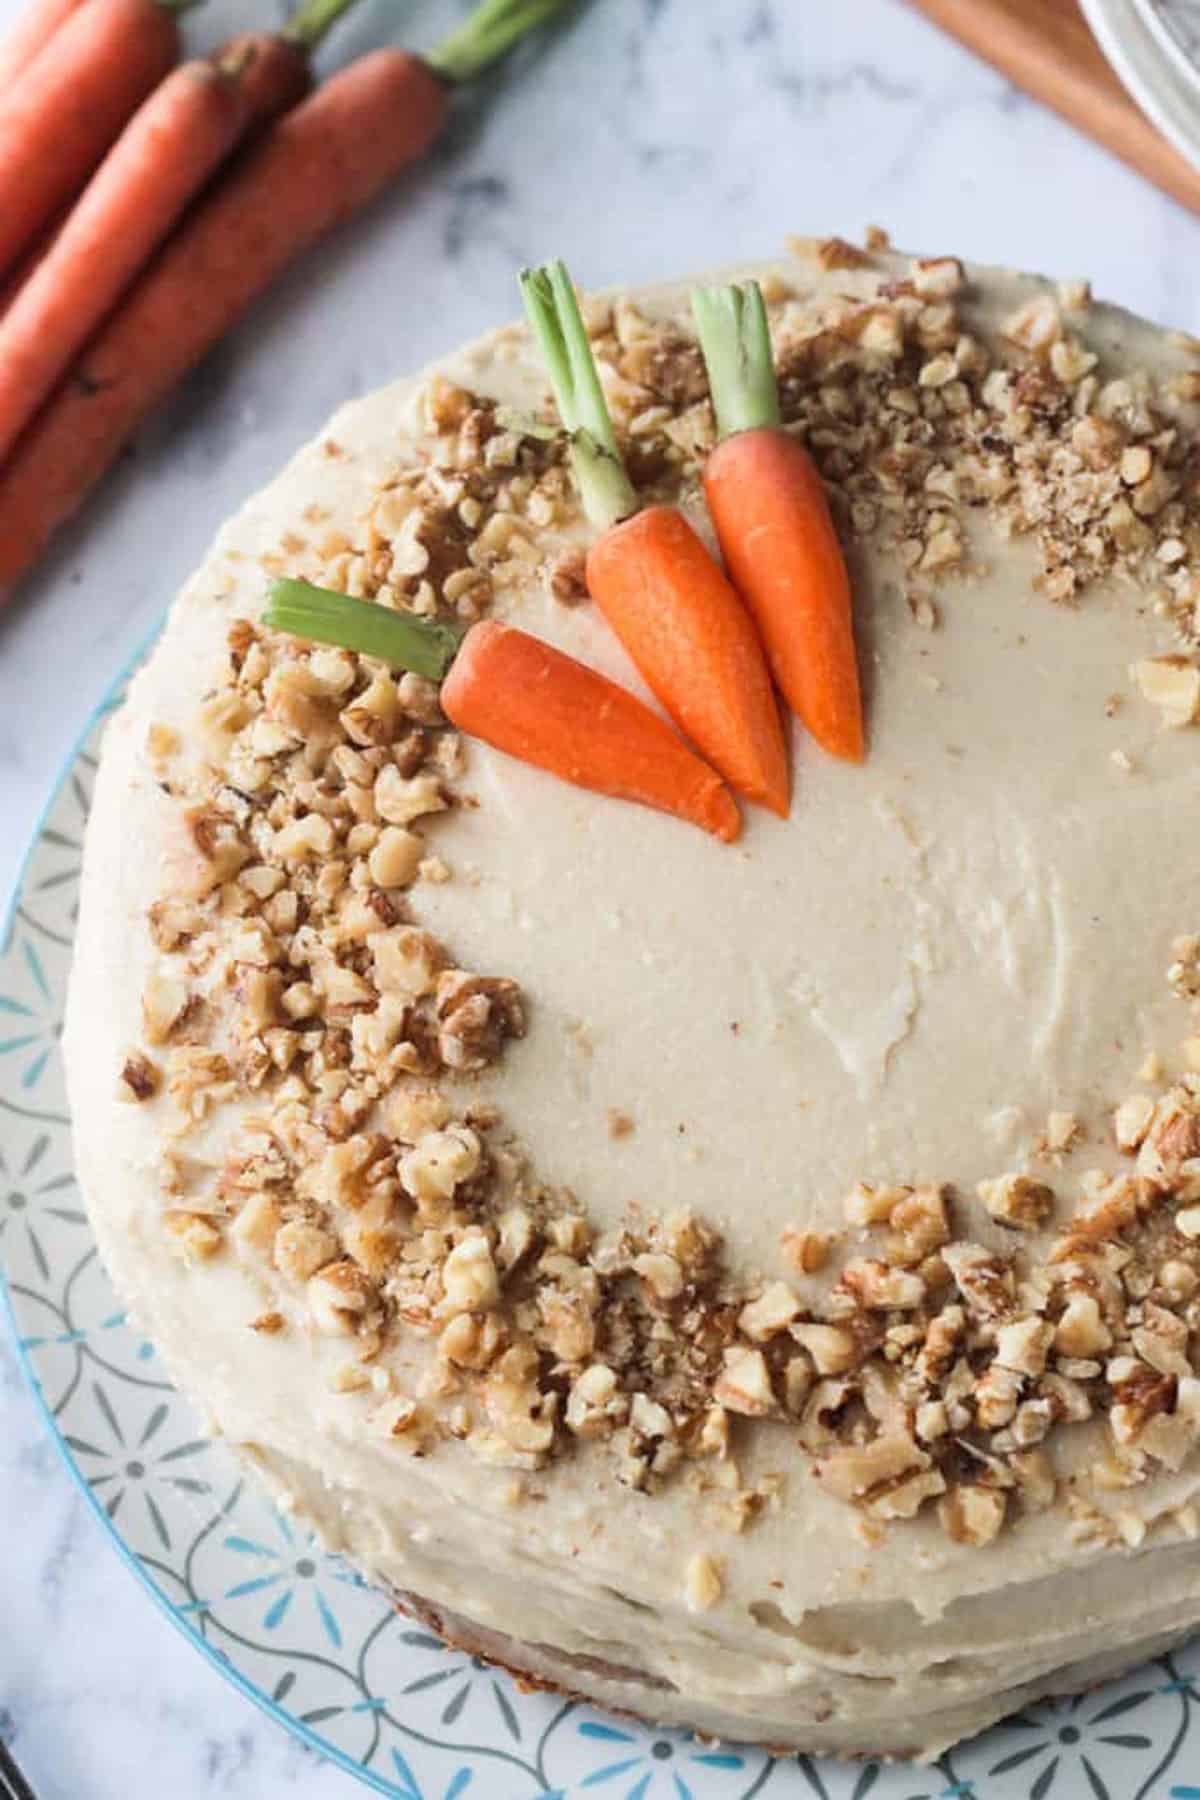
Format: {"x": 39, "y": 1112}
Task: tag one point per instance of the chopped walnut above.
{"x": 772, "y": 1312}
{"x": 703, "y": 1585}
{"x": 195, "y": 1237}
{"x": 1023, "y": 1345}
{"x": 403, "y": 1421}
{"x": 477, "y": 1014}
{"x": 339, "y": 1297}
{"x": 832, "y": 1348}
{"x": 1172, "y": 684}
{"x": 1018, "y": 1201}
{"x": 1062, "y": 1131}
{"x": 140, "y": 1079}
{"x": 984, "y": 1280}
{"x": 469, "y": 1278}
{"x": 866, "y": 1205}
{"x": 165, "y": 1002}
{"x": 972, "y": 1514}
{"x": 744, "y": 1384}
{"x": 396, "y": 857}
{"x": 937, "y": 277}
{"x": 807, "y": 1251}
{"x": 439, "y": 1163}
{"x": 300, "y": 1249}
{"x": 256, "y": 1225}
{"x": 1132, "y": 1120}
{"x": 595, "y": 1404}
{"x": 919, "y": 1226}
{"x": 1081, "y": 1330}
{"x": 661, "y": 1273}
{"x": 853, "y": 1473}
{"x": 875, "y": 1285}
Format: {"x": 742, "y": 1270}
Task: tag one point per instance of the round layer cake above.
{"x": 753, "y": 1286}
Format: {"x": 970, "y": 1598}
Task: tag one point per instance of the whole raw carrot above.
{"x": 772, "y": 519}
{"x": 164, "y": 156}
{"x": 273, "y": 72}
{"x": 58, "y": 120}
{"x": 664, "y": 595}
{"x": 525, "y": 698}
{"x": 12, "y": 283}
{"x": 275, "y": 67}
{"x": 315, "y": 167}
{"x": 33, "y": 31}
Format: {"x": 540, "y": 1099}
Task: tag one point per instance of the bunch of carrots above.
{"x": 711, "y": 643}
{"x": 145, "y": 203}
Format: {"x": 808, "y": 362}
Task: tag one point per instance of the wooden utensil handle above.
{"x": 1046, "y": 47}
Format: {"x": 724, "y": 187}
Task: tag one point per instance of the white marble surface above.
{"x": 647, "y": 137}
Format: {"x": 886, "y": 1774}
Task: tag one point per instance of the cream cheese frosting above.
{"x": 900, "y": 983}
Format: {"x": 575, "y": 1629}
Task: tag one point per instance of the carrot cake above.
{"x": 755, "y": 1285}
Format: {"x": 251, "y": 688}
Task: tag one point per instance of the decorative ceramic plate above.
{"x": 1144, "y": 42}
{"x": 1177, "y": 26}
{"x": 295, "y": 1629}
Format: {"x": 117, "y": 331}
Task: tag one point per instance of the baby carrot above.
{"x": 58, "y": 120}
{"x": 317, "y": 165}
{"x": 653, "y": 579}
{"x": 33, "y": 31}
{"x": 161, "y": 160}
{"x": 772, "y": 519}
{"x": 529, "y": 700}
{"x": 525, "y": 698}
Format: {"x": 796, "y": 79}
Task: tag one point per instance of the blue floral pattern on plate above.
{"x": 300, "y": 1632}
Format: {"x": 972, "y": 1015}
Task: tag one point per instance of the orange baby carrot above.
{"x": 164, "y": 156}
{"x": 69, "y": 104}
{"x": 695, "y": 646}
{"x": 316, "y": 166}
{"x": 32, "y": 32}
{"x": 653, "y": 579}
{"x": 772, "y": 519}
{"x": 525, "y": 698}
{"x": 529, "y": 700}
{"x": 274, "y": 68}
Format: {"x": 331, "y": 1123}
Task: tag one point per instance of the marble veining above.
{"x": 646, "y": 137}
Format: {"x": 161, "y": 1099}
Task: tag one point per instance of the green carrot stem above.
{"x": 312, "y": 19}
{"x": 179, "y": 6}
{"x": 489, "y": 33}
{"x": 736, "y": 341}
{"x": 605, "y": 489}
{"x": 424, "y": 646}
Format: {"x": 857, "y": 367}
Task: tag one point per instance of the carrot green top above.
{"x": 736, "y": 342}
{"x": 487, "y": 34}
{"x": 424, "y": 646}
{"x": 308, "y": 24}
{"x": 604, "y": 487}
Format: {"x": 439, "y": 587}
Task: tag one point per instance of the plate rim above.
{"x": 1155, "y": 16}
{"x": 108, "y": 703}
{"x": 1127, "y": 41}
